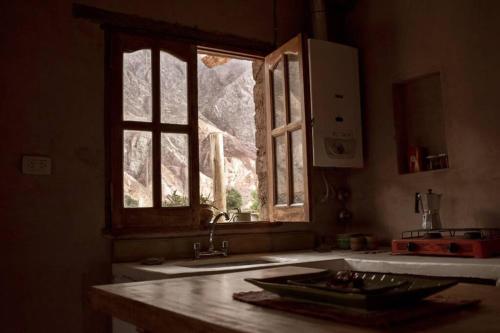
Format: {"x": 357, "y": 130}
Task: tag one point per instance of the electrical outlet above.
{"x": 36, "y": 165}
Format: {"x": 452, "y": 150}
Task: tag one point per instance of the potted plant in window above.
{"x": 234, "y": 201}
{"x": 206, "y": 210}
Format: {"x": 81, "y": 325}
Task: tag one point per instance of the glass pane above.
{"x": 137, "y": 169}
{"x": 297, "y": 167}
{"x": 174, "y": 170}
{"x": 279, "y": 95}
{"x": 294, "y": 79}
{"x": 137, "y": 88}
{"x": 280, "y": 161}
{"x": 173, "y": 89}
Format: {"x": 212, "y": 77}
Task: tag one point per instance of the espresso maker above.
{"x": 430, "y": 216}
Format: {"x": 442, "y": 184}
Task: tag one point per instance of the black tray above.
{"x": 381, "y": 290}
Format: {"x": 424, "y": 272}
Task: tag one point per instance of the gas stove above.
{"x": 461, "y": 242}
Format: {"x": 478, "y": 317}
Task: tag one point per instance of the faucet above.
{"x": 212, "y": 229}
{"x": 211, "y": 248}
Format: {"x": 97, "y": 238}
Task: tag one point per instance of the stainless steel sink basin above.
{"x": 230, "y": 262}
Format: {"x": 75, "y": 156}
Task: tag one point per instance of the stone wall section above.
{"x": 260, "y": 137}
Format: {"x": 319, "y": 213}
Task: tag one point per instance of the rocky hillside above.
{"x": 225, "y": 104}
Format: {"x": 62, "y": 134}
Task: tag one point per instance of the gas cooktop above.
{"x": 458, "y": 242}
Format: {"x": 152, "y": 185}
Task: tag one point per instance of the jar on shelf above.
{"x": 439, "y": 161}
{"x": 443, "y": 160}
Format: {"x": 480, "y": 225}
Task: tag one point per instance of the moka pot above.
{"x": 430, "y": 216}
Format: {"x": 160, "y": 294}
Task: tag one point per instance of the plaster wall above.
{"x": 402, "y": 39}
{"x": 51, "y": 102}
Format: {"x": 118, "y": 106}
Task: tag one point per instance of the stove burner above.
{"x": 473, "y": 235}
{"x": 432, "y": 235}
{"x": 456, "y": 242}
{"x": 464, "y": 233}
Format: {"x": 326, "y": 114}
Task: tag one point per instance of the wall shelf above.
{"x": 419, "y": 125}
{"x": 424, "y": 172}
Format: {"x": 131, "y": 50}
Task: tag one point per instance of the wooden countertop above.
{"x": 205, "y": 304}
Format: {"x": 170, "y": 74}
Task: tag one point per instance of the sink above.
{"x": 229, "y": 262}
{"x": 333, "y": 264}
{"x": 421, "y": 266}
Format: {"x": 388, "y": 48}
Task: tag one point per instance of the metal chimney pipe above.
{"x": 318, "y": 19}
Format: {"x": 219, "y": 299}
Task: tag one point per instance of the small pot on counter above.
{"x": 343, "y": 241}
{"x": 358, "y": 242}
{"x": 206, "y": 215}
{"x": 371, "y": 242}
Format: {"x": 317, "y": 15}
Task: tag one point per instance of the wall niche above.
{"x": 419, "y": 124}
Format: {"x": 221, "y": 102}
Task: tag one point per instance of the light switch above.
{"x": 36, "y": 165}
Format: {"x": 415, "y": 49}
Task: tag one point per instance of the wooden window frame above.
{"x": 158, "y": 219}
{"x": 289, "y": 212}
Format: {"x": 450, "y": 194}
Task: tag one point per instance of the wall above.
{"x": 52, "y": 104}
{"x": 401, "y": 39}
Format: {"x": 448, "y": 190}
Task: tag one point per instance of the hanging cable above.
{"x": 329, "y": 189}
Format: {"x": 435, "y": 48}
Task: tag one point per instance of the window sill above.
{"x": 222, "y": 229}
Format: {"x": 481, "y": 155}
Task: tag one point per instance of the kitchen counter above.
{"x": 381, "y": 261}
{"x": 205, "y": 304}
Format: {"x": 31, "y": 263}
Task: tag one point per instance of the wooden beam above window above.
{"x": 140, "y": 25}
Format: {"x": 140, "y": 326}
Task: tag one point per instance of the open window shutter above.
{"x": 287, "y": 133}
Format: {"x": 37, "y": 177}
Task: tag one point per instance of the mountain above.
{"x": 225, "y": 105}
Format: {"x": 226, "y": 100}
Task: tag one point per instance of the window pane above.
{"x": 294, "y": 79}
{"x": 174, "y": 170}
{"x": 297, "y": 167}
{"x": 137, "y": 105}
{"x": 279, "y": 95}
{"x": 281, "y": 167}
{"x": 173, "y": 89}
{"x": 137, "y": 169}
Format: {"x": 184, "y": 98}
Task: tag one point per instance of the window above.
{"x": 174, "y": 106}
{"x": 288, "y": 133}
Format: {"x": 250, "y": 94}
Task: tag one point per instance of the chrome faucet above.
{"x": 212, "y": 229}
{"x": 211, "y": 248}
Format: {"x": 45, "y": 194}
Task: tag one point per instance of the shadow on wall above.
{"x": 487, "y": 219}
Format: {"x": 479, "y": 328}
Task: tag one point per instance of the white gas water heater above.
{"x": 335, "y": 105}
